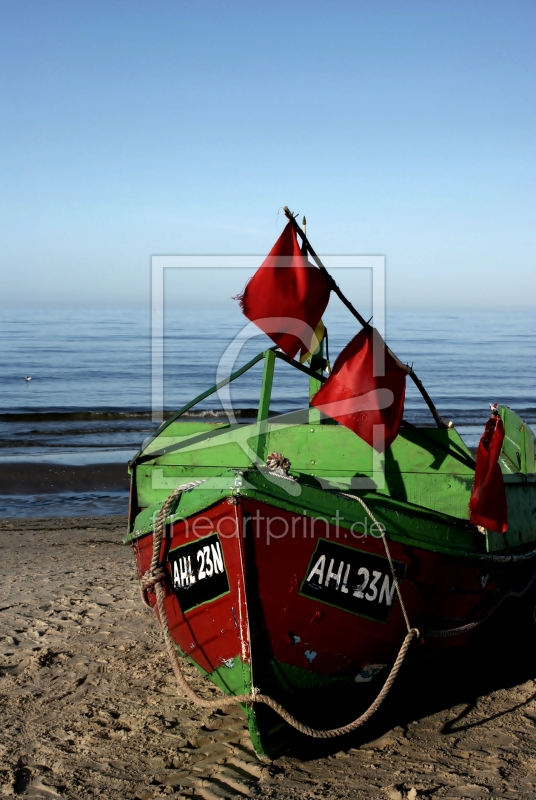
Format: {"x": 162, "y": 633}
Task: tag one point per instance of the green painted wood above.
{"x": 317, "y": 365}
{"x": 416, "y": 468}
{"x": 519, "y": 443}
{"x": 266, "y": 386}
{"x": 521, "y": 500}
{"x": 186, "y": 428}
{"x": 178, "y": 433}
{"x": 179, "y": 449}
{"x": 420, "y": 473}
{"x": 259, "y": 447}
{"x": 155, "y": 484}
{"x": 326, "y": 447}
{"x": 448, "y": 495}
{"x": 141, "y": 456}
{"x": 230, "y": 450}
{"x": 404, "y": 522}
{"x": 233, "y": 681}
{"x": 336, "y": 448}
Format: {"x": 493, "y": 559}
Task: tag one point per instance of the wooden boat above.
{"x": 290, "y": 560}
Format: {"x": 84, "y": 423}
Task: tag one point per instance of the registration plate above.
{"x": 358, "y": 582}
{"x": 198, "y": 572}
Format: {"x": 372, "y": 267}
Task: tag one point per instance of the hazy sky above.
{"x": 135, "y": 128}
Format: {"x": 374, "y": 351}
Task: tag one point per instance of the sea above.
{"x": 97, "y": 392}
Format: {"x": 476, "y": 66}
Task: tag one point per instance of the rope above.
{"x": 152, "y": 581}
{"x": 147, "y": 583}
{"x": 155, "y": 576}
{"x": 275, "y": 460}
{"x": 156, "y": 573}
{"x": 256, "y": 697}
{"x": 279, "y": 466}
{"x": 439, "y": 634}
{"x": 381, "y": 528}
{"x": 472, "y": 625}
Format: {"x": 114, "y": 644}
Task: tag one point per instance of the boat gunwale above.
{"x": 304, "y": 509}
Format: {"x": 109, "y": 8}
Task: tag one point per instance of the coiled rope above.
{"x": 152, "y": 581}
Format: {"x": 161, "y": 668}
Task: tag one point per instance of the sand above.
{"x": 24, "y": 478}
{"x": 89, "y": 707}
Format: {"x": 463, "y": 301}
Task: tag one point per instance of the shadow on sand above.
{"x": 501, "y": 656}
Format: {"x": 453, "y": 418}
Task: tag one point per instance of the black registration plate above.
{"x": 352, "y": 580}
{"x": 198, "y": 572}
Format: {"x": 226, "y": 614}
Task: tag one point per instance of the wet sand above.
{"x": 46, "y": 489}
{"x": 90, "y": 708}
{"x": 23, "y": 478}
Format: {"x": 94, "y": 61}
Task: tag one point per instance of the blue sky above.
{"x": 134, "y": 128}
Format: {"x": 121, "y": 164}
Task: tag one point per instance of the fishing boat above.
{"x": 288, "y": 557}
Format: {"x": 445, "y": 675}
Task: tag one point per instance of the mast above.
{"x": 306, "y": 246}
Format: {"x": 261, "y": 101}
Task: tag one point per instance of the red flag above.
{"x": 356, "y": 396}
{"x": 487, "y": 506}
{"x": 287, "y": 295}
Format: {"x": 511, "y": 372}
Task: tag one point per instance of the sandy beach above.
{"x": 90, "y": 707}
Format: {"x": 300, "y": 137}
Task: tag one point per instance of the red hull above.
{"x": 266, "y": 603}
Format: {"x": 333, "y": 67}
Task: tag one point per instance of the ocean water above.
{"x": 89, "y": 397}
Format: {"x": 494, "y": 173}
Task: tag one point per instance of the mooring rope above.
{"x": 381, "y": 528}
{"x": 156, "y": 572}
{"x": 152, "y": 581}
{"x": 439, "y": 634}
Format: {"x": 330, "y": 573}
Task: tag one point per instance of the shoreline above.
{"x": 30, "y": 490}
{"x": 46, "y": 477}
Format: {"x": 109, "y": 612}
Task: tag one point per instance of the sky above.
{"x": 130, "y": 129}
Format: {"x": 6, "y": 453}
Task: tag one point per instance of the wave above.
{"x": 96, "y": 416}
{"x": 223, "y": 414}
{"x": 67, "y": 416}
{"x": 460, "y": 416}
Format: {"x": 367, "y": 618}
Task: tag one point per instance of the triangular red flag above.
{"x": 287, "y": 296}
{"x": 356, "y": 396}
{"x": 487, "y": 506}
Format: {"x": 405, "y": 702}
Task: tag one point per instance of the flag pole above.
{"x": 366, "y": 325}
{"x": 331, "y": 282}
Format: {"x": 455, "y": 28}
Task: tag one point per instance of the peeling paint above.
{"x": 294, "y": 639}
{"x": 368, "y": 672}
{"x": 484, "y": 580}
{"x": 228, "y": 662}
{"x": 310, "y": 655}
{"x": 234, "y": 617}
